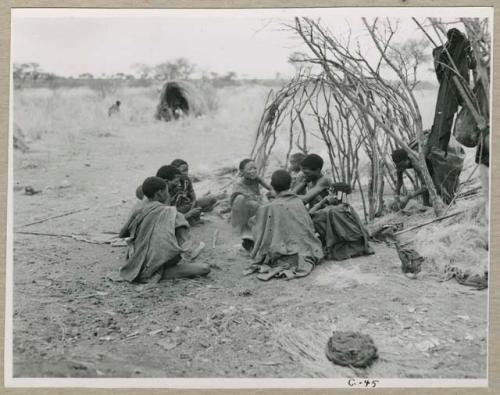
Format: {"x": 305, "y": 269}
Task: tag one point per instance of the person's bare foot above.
{"x": 193, "y": 250}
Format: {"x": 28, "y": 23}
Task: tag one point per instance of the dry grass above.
{"x": 307, "y": 346}
{"x": 460, "y": 242}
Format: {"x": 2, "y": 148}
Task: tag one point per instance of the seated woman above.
{"x": 246, "y": 199}
{"x": 284, "y": 233}
{"x": 341, "y": 232}
{"x": 158, "y": 240}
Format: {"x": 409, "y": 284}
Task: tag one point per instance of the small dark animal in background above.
{"x": 411, "y": 261}
{"x": 114, "y": 109}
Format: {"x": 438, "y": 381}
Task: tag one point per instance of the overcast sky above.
{"x": 252, "y": 43}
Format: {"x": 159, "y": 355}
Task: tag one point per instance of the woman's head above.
{"x": 248, "y": 169}
{"x": 311, "y": 166}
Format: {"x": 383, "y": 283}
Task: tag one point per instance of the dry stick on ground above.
{"x": 214, "y": 240}
{"x": 57, "y": 216}
{"x": 428, "y": 222}
{"x": 45, "y": 234}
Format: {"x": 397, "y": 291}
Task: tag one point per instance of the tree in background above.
{"x": 180, "y": 69}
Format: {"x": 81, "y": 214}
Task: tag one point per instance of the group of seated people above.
{"x": 301, "y": 223}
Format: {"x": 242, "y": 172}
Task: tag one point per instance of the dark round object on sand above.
{"x": 351, "y": 349}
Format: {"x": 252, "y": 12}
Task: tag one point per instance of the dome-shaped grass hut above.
{"x": 180, "y": 98}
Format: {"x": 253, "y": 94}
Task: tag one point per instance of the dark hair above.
{"x": 312, "y": 162}
{"x": 168, "y": 172}
{"x": 243, "y": 163}
{"x": 118, "y": 102}
{"x": 281, "y": 180}
{"x": 178, "y": 162}
{"x": 151, "y": 185}
{"x": 299, "y": 156}
{"x": 139, "y": 193}
{"x": 399, "y": 155}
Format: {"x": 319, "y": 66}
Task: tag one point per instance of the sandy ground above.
{"x": 72, "y": 319}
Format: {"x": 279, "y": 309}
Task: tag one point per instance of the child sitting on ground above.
{"x": 284, "y": 234}
{"x": 245, "y": 199}
{"x": 173, "y": 177}
{"x": 158, "y": 239}
{"x": 185, "y": 192}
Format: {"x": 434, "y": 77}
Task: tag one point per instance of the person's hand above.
{"x": 196, "y": 210}
{"x": 193, "y": 213}
{"x": 271, "y": 195}
{"x": 332, "y": 200}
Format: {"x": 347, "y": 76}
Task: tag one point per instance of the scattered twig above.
{"x": 57, "y": 216}
{"x": 45, "y": 234}
{"x": 428, "y": 222}
{"x": 214, "y": 241}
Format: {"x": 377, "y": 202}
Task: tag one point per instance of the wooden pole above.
{"x": 57, "y": 216}
{"x": 427, "y": 223}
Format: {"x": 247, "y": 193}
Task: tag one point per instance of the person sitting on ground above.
{"x": 403, "y": 162}
{"x": 294, "y": 168}
{"x": 114, "y": 109}
{"x": 185, "y": 193}
{"x": 245, "y": 199}
{"x": 179, "y": 194}
{"x": 313, "y": 186}
{"x": 159, "y": 242}
{"x": 339, "y": 227}
{"x": 169, "y": 174}
{"x": 173, "y": 177}
{"x": 284, "y": 233}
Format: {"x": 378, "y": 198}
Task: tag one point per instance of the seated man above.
{"x": 340, "y": 230}
{"x": 245, "y": 199}
{"x": 158, "y": 239}
{"x": 403, "y": 162}
{"x": 284, "y": 233}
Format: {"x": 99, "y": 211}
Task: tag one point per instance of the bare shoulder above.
{"x": 325, "y": 181}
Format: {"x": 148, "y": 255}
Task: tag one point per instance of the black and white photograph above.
{"x": 249, "y": 198}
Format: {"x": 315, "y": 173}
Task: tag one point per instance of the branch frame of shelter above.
{"x": 379, "y": 115}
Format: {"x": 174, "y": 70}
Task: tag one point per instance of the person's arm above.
{"x": 300, "y": 186}
{"x": 264, "y": 184}
{"x": 399, "y": 183}
{"x": 322, "y": 184}
{"x": 125, "y": 230}
{"x": 413, "y": 195}
{"x": 319, "y": 205}
{"x": 191, "y": 194}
